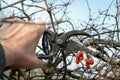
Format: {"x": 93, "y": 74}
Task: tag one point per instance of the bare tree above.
{"x": 102, "y": 48}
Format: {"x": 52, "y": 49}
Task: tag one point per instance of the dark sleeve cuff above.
{"x": 2, "y": 60}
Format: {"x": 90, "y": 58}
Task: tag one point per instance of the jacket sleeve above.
{"x": 2, "y": 60}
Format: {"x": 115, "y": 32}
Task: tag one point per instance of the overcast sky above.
{"x": 79, "y": 8}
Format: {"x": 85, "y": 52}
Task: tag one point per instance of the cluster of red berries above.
{"x": 89, "y": 61}
{"x": 79, "y": 57}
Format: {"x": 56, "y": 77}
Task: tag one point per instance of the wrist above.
{"x": 8, "y": 54}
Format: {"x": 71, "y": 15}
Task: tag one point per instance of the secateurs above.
{"x": 53, "y": 42}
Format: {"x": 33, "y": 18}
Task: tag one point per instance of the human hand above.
{"x": 19, "y": 41}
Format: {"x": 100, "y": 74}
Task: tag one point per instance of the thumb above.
{"x": 28, "y": 62}
{"x": 37, "y": 63}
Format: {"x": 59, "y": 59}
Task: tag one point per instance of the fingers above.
{"x": 5, "y": 25}
{"x": 8, "y": 22}
{"x": 41, "y": 24}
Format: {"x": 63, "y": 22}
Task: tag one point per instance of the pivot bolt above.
{"x": 59, "y": 41}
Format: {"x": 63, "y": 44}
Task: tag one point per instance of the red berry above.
{"x": 77, "y": 56}
{"x": 88, "y": 61}
{"x": 91, "y": 61}
{"x": 77, "y": 61}
{"x": 81, "y": 53}
{"x": 81, "y": 58}
{"x": 88, "y": 66}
